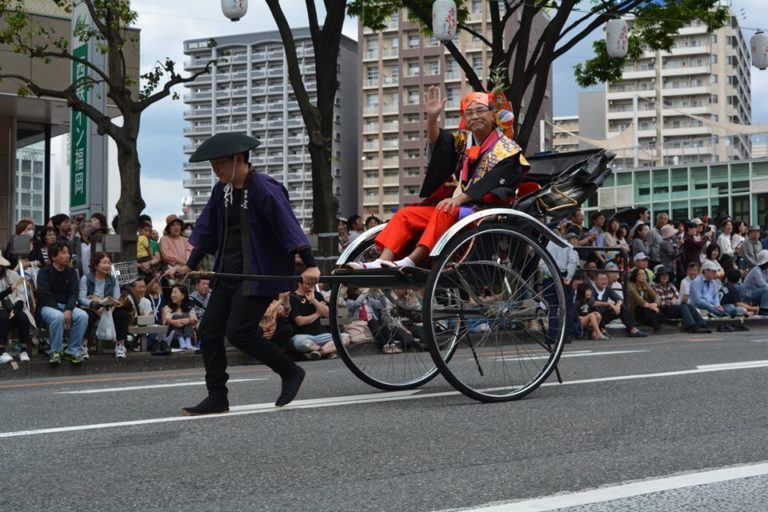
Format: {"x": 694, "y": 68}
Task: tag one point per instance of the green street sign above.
{"x": 79, "y": 137}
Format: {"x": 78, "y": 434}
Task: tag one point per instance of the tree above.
{"x": 522, "y": 63}
{"x": 112, "y": 20}
{"x": 318, "y": 118}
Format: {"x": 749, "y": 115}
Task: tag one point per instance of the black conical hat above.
{"x": 222, "y": 145}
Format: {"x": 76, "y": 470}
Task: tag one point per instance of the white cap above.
{"x": 709, "y": 265}
{"x": 640, "y": 256}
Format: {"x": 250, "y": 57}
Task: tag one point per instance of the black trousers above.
{"x": 609, "y": 315}
{"x": 237, "y": 317}
{"x": 22, "y": 325}
{"x": 648, "y": 317}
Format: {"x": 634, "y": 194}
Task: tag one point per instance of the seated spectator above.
{"x": 597, "y": 220}
{"x": 732, "y": 295}
{"x": 200, "y": 297}
{"x": 57, "y": 293}
{"x": 755, "y": 288}
{"x": 614, "y": 238}
{"x": 692, "y": 272}
{"x": 641, "y": 242}
{"x": 33, "y": 261}
{"x": 712, "y": 253}
{"x": 642, "y": 300}
{"x": 611, "y": 306}
{"x": 309, "y": 338}
{"x": 693, "y": 244}
{"x": 738, "y": 237}
{"x": 180, "y": 317}
{"x": 750, "y": 247}
{"x": 343, "y": 235}
{"x": 669, "y": 248}
{"x": 355, "y": 227}
{"x": 576, "y": 226}
{"x": 368, "y": 307}
{"x": 174, "y": 248}
{"x": 589, "y": 318}
{"x": 156, "y": 300}
{"x": 65, "y": 230}
{"x": 372, "y": 221}
{"x": 590, "y": 272}
{"x": 49, "y": 239}
{"x": 671, "y": 306}
{"x": 407, "y": 318}
{"x": 276, "y": 324}
{"x": 612, "y": 270}
{"x": 13, "y": 310}
{"x": 706, "y": 295}
{"x": 641, "y": 263}
{"x": 725, "y": 239}
{"x": 137, "y": 296}
{"x": 97, "y": 285}
{"x": 97, "y": 228}
{"x": 147, "y": 258}
{"x": 81, "y": 249}
{"x": 655, "y": 237}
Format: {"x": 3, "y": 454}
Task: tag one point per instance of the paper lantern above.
{"x": 759, "y": 45}
{"x": 616, "y": 38}
{"x": 234, "y": 9}
{"x": 444, "y": 19}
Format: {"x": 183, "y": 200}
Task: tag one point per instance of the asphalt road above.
{"x": 664, "y": 423}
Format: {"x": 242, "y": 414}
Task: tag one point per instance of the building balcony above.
{"x": 200, "y": 112}
{"x": 686, "y": 71}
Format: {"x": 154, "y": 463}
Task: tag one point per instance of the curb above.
{"x": 136, "y": 362}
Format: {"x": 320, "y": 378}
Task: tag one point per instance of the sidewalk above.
{"x": 145, "y": 362}
{"x": 106, "y": 363}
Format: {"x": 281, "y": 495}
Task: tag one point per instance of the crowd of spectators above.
{"x": 635, "y": 274}
{"x": 61, "y": 293}
{"x": 643, "y": 273}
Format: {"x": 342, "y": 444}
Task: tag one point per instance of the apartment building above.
{"x": 250, "y": 92}
{"x": 705, "y": 74}
{"x": 565, "y": 137}
{"x": 398, "y": 64}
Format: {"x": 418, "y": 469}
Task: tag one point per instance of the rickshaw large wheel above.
{"x": 490, "y": 299}
{"x": 385, "y": 361}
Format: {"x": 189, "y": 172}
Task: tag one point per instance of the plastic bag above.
{"x": 106, "y": 329}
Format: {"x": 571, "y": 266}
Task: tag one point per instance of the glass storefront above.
{"x": 739, "y": 190}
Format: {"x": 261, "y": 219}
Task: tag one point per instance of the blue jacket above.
{"x": 704, "y": 293}
{"x": 270, "y": 240}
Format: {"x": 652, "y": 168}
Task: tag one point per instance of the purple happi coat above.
{"x": 273, "y": 233}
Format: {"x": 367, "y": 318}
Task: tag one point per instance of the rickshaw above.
{"x": 487, "y": 308}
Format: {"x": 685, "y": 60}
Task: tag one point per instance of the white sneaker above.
{"x": 24, "y": 357}
{"x": 6, "y": 358}
{"x": 84, "y": 353}
{"x": 120, "y": 352}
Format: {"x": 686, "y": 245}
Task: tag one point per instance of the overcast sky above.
{"x": 165, "y": 25}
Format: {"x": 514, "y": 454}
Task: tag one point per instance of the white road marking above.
{"x": 735, "y": 366}
{"x": 621, "y": 491}
{"x": 153, "y": 386}
{"x": 367, "y": 398}
{"x": 582, "y": 353}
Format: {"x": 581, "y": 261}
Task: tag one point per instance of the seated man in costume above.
{"x": 479, "y": 159}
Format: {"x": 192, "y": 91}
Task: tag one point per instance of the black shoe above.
{"x": 290, "y": 387}
{"x": 162, "y": 348}
{"x": 637, "y": 334}
{"x": 207, "y": 406}
{"x": 724, "y": 328}
{"x": 740, "y": 327}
